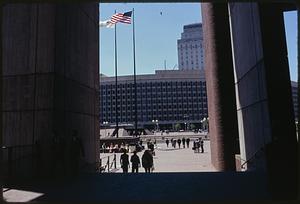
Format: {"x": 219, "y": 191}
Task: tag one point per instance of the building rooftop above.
{"x": 194, "y": 25}
{"x": 294, "y": 83}
{"x": 159, "y": 75}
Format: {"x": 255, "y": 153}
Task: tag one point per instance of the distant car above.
{"x": 181, "y": 130}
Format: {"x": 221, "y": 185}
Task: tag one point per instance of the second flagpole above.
{"x": 134, "y": 75}
{"x": 116, "y": 75}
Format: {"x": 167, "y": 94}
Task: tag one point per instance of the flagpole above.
{"x": 134, "y": 73}
{"x": 116, "y": 79}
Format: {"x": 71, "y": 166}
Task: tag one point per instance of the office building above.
{"x": 190, "y": 48}
{"x": 168, "y": 96}
{"x": 295, "y": 98}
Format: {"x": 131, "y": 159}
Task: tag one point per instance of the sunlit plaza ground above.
{"x": 169, "y": 159}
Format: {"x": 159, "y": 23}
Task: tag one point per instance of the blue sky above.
{"x": 290, "y": 21}
{"x": 157, "y": 34}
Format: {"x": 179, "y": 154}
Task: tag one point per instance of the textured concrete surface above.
{"x": 264, "y": 99}
{"x": 50, "y": 77}
{"x": 153, "y": 187}
{"x": 252, "y": 106}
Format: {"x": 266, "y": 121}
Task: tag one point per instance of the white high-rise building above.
{"x": 190, "y": 47}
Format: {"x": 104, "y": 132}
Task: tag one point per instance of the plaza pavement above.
{"x": 168, "y": 159}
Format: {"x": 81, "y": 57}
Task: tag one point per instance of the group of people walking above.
{"x": 179, "y": 141}
{"x": 147, "y": 162}
{"x": 199, "y": 143}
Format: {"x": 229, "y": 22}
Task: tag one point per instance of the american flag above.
{"x": 121, "y": 17}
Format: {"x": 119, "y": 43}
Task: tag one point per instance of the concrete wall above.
{"x": 50, "y": 75}
{"x": 264, "y": 97}
{"x": 250, "y": 85}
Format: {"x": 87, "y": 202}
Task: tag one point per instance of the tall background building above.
{"x": 295, "y": 98}
{"x": 190, "y": 48}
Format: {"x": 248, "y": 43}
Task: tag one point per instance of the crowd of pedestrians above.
{"x": 174, "y": 142}
{"x": 114, "y": 148}
{"x": 197, "y": 144}
{"x": 147, "y": 161}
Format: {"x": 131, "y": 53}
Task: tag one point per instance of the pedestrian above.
{"x": 174, "y": 143}
{"x": 179, "y": 142}
{"x": 147, "y": 161}
{"x": 111, "y": 146}
{"x": 197, "y": 145}
{"x": 188, "y": 142}
{"x": 194, "y": 147}
{"x": 148, "y": 144}
{"x": 202, "y": 146}
{"x": 167, "y": 142}
{"x": 151, "y": 147}
{"x": 183, "y": 142}
{"x": 124, "y": 161}
{"x": 135, "y": 162}
{"x": 76, "y": 150}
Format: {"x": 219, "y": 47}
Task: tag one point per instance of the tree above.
{"x": 177, "y": 127}
{"x": 193, "y": 126}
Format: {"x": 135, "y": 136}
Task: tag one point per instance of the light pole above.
{"x": 105, "y": 124}
{"x": 185, "y": 123}
{"x": 205, "y": 123}
{"x": 156, "y": 122}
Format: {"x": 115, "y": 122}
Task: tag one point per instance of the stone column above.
{"x": 298, "y": 42}
{"x": 50, "y": 80}
{"x": 282, "y": 152}
{"x": 1, "y": 88}
{"x": 220, "y": 85}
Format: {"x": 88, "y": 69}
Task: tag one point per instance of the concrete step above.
{"x": 154, "y": 187}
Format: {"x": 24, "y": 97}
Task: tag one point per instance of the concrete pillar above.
{"x": 298, "y": 42}
{"x": 282, "y": 153}
{"x": 51, "y": 78}
{"x": 220, "y": 85}
{"x": 1, "y": 104}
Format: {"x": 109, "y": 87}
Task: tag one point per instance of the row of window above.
{"x": 155, "y": 93}
{"x": 153, "y": 103}
{"x": 191, "y": 96}
{"x": 167, "y": 114}
{"x": 149, "y": 119}
{"x": 183, "y": 46}
{"x": 158, "y": 108}
{"x": 158, "y": 84}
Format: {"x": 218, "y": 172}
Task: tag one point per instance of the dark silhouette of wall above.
{"x": 264, "y": 99}
{"x": 50, "y": 78}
